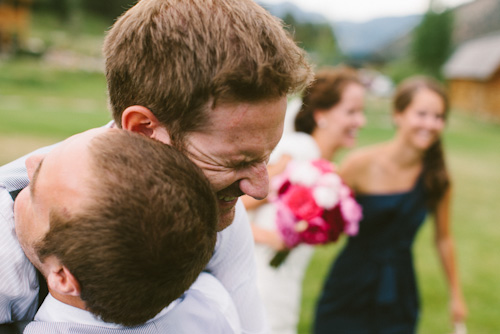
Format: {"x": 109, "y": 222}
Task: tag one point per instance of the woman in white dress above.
{"x": 329, "y": 118}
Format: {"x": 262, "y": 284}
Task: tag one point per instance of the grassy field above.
{"x": 41, "y": 105}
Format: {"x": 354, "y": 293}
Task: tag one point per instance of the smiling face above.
{"x": 233, "y": 150}
{"x": 57, "y": 182}
{"x": 421, "y": 123}
{"x": 343, "y": 121}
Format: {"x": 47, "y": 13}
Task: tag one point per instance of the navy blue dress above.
{"x": 371, "y": 287}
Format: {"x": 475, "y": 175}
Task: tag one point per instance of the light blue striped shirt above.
{"x": 205, "y": 308}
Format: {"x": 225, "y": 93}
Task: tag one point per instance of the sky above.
{"x": 364, "y": 10}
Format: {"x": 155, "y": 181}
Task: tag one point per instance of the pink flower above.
{"x": 301, "y": 202}
{"x": 323, "y": 165}
{"x": 285, "y": 222}
{"x": 352, "y": 213}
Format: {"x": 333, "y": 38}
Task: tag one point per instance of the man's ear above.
{"x": 141, "y": 120}
{"x": 60, "y": 279}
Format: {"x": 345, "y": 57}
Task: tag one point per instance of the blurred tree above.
{"x": 58, "y": 7}
{"x": 110, "y": 8}
{"x": 318, "y": 39}
{"x": 66, "y": 9}
{"x": 432, "y": 40}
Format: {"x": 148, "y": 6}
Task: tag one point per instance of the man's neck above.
{"x": 70, "y": 300}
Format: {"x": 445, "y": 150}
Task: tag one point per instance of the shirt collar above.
{"x": 53, "y": 310}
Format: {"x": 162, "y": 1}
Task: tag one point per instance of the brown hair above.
{"x": 323, "y": 94}
{"x": 179, "y": 58}
{"x": 147, "y": 231}
{"x": 435, "y": 173}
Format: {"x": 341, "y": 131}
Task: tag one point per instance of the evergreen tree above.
{"x": 318, "y": 39}
{"x": 432, "y": 40}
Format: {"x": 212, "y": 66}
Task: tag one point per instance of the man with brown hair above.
{"x": 210, "y": 77}
{"x": 118, "y": 239}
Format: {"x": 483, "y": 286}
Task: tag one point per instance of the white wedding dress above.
{"x": 281, "y": 288}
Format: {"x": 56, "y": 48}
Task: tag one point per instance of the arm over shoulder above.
{"x": 18, "y": 280}
{"x": 233, "y": 264}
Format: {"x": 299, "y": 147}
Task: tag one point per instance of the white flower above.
{"x": 304, "y": 174}
{"x": 330, "y": 180}
{"x": 326, "y": 197}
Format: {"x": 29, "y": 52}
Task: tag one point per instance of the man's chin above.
{"x": 225, "y": 219}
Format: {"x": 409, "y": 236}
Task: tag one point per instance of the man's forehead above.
{"x": 234, "y": 114}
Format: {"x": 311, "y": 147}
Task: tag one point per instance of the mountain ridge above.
{"x": 356, "y": 39}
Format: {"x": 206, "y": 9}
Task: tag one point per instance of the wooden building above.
{"x": 14, "y": 23}
{"x": 473, "y": 74}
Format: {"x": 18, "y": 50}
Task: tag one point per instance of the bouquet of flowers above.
{"x": 313, "y": 206}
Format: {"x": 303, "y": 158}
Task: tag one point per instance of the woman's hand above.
{"x": 458, "y": 309}
{"x": 268, "y": 237}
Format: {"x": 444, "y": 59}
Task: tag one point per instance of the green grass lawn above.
{"x": 40, "y": 105}
{"x": 473, "y": 154}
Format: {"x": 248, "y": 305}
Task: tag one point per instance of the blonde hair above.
{"x": 179, "y": 58}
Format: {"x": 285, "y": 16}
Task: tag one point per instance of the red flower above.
{"x": 301, "y": 202}
{"x": 317, "y": 232}
{"x": 336, "y": 222}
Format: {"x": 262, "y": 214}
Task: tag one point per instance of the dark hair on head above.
{"x": 435, "y": 173}
{"x": 144, "y": 233}
{"x": 324, "y": 93}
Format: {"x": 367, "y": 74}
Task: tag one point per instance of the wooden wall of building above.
{"x": 14, "y": 23}
{"x": 477, "y": 97}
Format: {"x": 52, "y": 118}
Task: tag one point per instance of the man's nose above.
{"x": 256, "y": 182}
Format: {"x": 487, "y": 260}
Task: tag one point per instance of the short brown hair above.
{"x": 147, "y": 231}
{"x": 179, "y": 58}
{"x": 435, "y": 172}
{"x": 324, "y": 93}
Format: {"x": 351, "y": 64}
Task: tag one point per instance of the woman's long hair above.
{"x": 435, "y": 173}
{"x": 323, "y": 94}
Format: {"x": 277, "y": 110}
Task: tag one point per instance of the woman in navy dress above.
{"x": 371, "y": 287}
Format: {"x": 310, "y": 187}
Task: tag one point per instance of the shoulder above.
{"x": 232, "y": 259}
{"x": 358, "y": 165}
{"x": 233, "y": 264}
{"x": 213, "y": 292}
{"x": 18, "y": 281}
{"x": 206, "y": 307}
